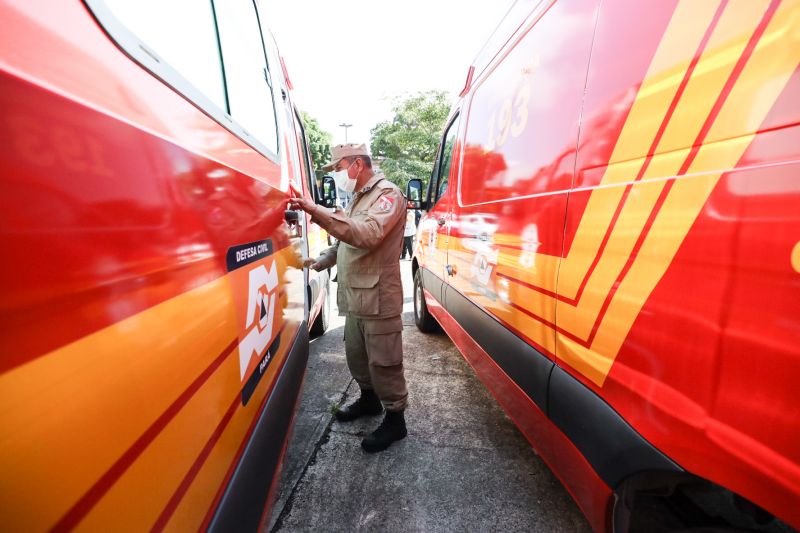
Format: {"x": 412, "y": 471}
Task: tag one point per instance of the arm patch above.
{"x": 385, "y": 204}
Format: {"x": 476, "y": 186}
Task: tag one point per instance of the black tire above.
{"x": 320, "y": 325}
{"x": 422, "y": 317}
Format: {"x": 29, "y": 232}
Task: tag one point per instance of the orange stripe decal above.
{"x": 655, "y": 185}
{"x": 85, "y": 504}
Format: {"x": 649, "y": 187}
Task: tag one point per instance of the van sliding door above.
{"x": 435, "y": 226}
{"x": 517, "y": 162}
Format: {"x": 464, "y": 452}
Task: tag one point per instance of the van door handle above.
{"x": 441, "y": 221}
{"x": 293, "y": 221}
{"x": 292, "y": 217}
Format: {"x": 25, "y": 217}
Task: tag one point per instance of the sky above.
{"x": 348, "y": 59}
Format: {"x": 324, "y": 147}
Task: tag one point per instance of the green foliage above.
{"x": 319, "y": 142}
{"x": 399, "y": 171}
{"x": 409, "y": 141}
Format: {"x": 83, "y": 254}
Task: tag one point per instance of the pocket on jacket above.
{"x": 391, "y": 296}
{"x": 363, "y": 295}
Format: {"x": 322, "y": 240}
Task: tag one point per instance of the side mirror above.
{"x": 328, "y": 192}
{"x": 414, "y": 193}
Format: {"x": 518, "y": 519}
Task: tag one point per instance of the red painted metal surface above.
{"x": 569, "y": 230}
{"x": 120, "y": 201}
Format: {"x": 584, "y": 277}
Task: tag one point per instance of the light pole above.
{"x": 345, "y": 126}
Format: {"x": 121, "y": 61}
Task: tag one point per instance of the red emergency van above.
{"x": 155, "y": 314}
{"x": 612, "y": 240}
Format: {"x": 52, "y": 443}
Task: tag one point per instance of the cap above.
{"x": 340, "y": 151}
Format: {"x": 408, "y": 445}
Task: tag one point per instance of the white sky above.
{"x": 348, "y": 58}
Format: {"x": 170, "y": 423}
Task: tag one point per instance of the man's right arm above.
{"x": 328, "y": 256}
{"x": 366, "y": 232}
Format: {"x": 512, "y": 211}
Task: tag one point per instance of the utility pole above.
{"x": 345, "y": 126}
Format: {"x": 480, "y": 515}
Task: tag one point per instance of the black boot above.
{"x": 391, "y": 429}
{"x": 367, "y": 404}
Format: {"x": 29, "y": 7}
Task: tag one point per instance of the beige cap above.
{"x": 340, "y": 151}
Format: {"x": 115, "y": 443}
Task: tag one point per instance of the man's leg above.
{"x": 386, "y": 369}
{"x": 384, "y": 345}
{"x": 355, "y": 351}
{"x": 358, "y": 363}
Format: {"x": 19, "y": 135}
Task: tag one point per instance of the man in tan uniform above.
{"x": 370, "y": 293}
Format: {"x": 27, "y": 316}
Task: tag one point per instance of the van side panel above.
{"x": 520, "y": 143}
{"x": 241, "y": 507}
{"x": 688, "y": 325}
{"x": 668, "y": 295}
{"x": 124, "y": 300}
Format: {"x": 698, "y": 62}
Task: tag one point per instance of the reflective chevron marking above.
{"x": 604, "y": 282}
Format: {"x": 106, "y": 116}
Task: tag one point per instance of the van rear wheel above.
{"x": 422, "y": 317}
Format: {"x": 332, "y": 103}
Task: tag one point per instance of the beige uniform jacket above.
{"x": 370, "y": 237}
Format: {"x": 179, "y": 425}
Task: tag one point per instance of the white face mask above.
{"x": 344, "y": 181}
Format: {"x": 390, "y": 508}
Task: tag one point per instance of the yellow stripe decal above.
{"x": 731, "y": 89}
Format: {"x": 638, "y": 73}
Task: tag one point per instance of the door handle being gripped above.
{"x": 292, "y": 217}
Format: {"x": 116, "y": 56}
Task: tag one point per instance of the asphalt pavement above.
{"x": 463, "y": 467}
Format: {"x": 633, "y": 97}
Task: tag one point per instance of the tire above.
{"x": 320, "y": 325}
{"x": 422, "y": 317}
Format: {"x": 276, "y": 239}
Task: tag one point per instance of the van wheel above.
{"x": 422, "y": 317}
{"x": 320, "y": 325}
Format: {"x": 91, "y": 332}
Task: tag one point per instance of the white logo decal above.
{"x": 260, "y": 303}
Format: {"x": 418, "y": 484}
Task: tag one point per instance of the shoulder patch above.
{"x": 385, "y": 203}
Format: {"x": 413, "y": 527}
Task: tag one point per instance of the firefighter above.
{"x": 370, "y": 293}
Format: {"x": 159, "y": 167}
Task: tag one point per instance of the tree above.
{"x": 319, "y": 142}
{"x": 408, "y": 142}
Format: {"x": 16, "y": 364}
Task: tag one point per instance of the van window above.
{"x": 249, "y": 91}
{"x": 446, "y": 157}
{"x": 194, "y": 53}
{"x": 307, "y": 164}
{"x": 522, "y": 134}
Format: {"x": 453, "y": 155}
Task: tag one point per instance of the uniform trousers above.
{"x": 374, "y": 350}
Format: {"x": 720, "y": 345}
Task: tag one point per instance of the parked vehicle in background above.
{"x": 155, "y": 311}
{"x": 612, "y": 239}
